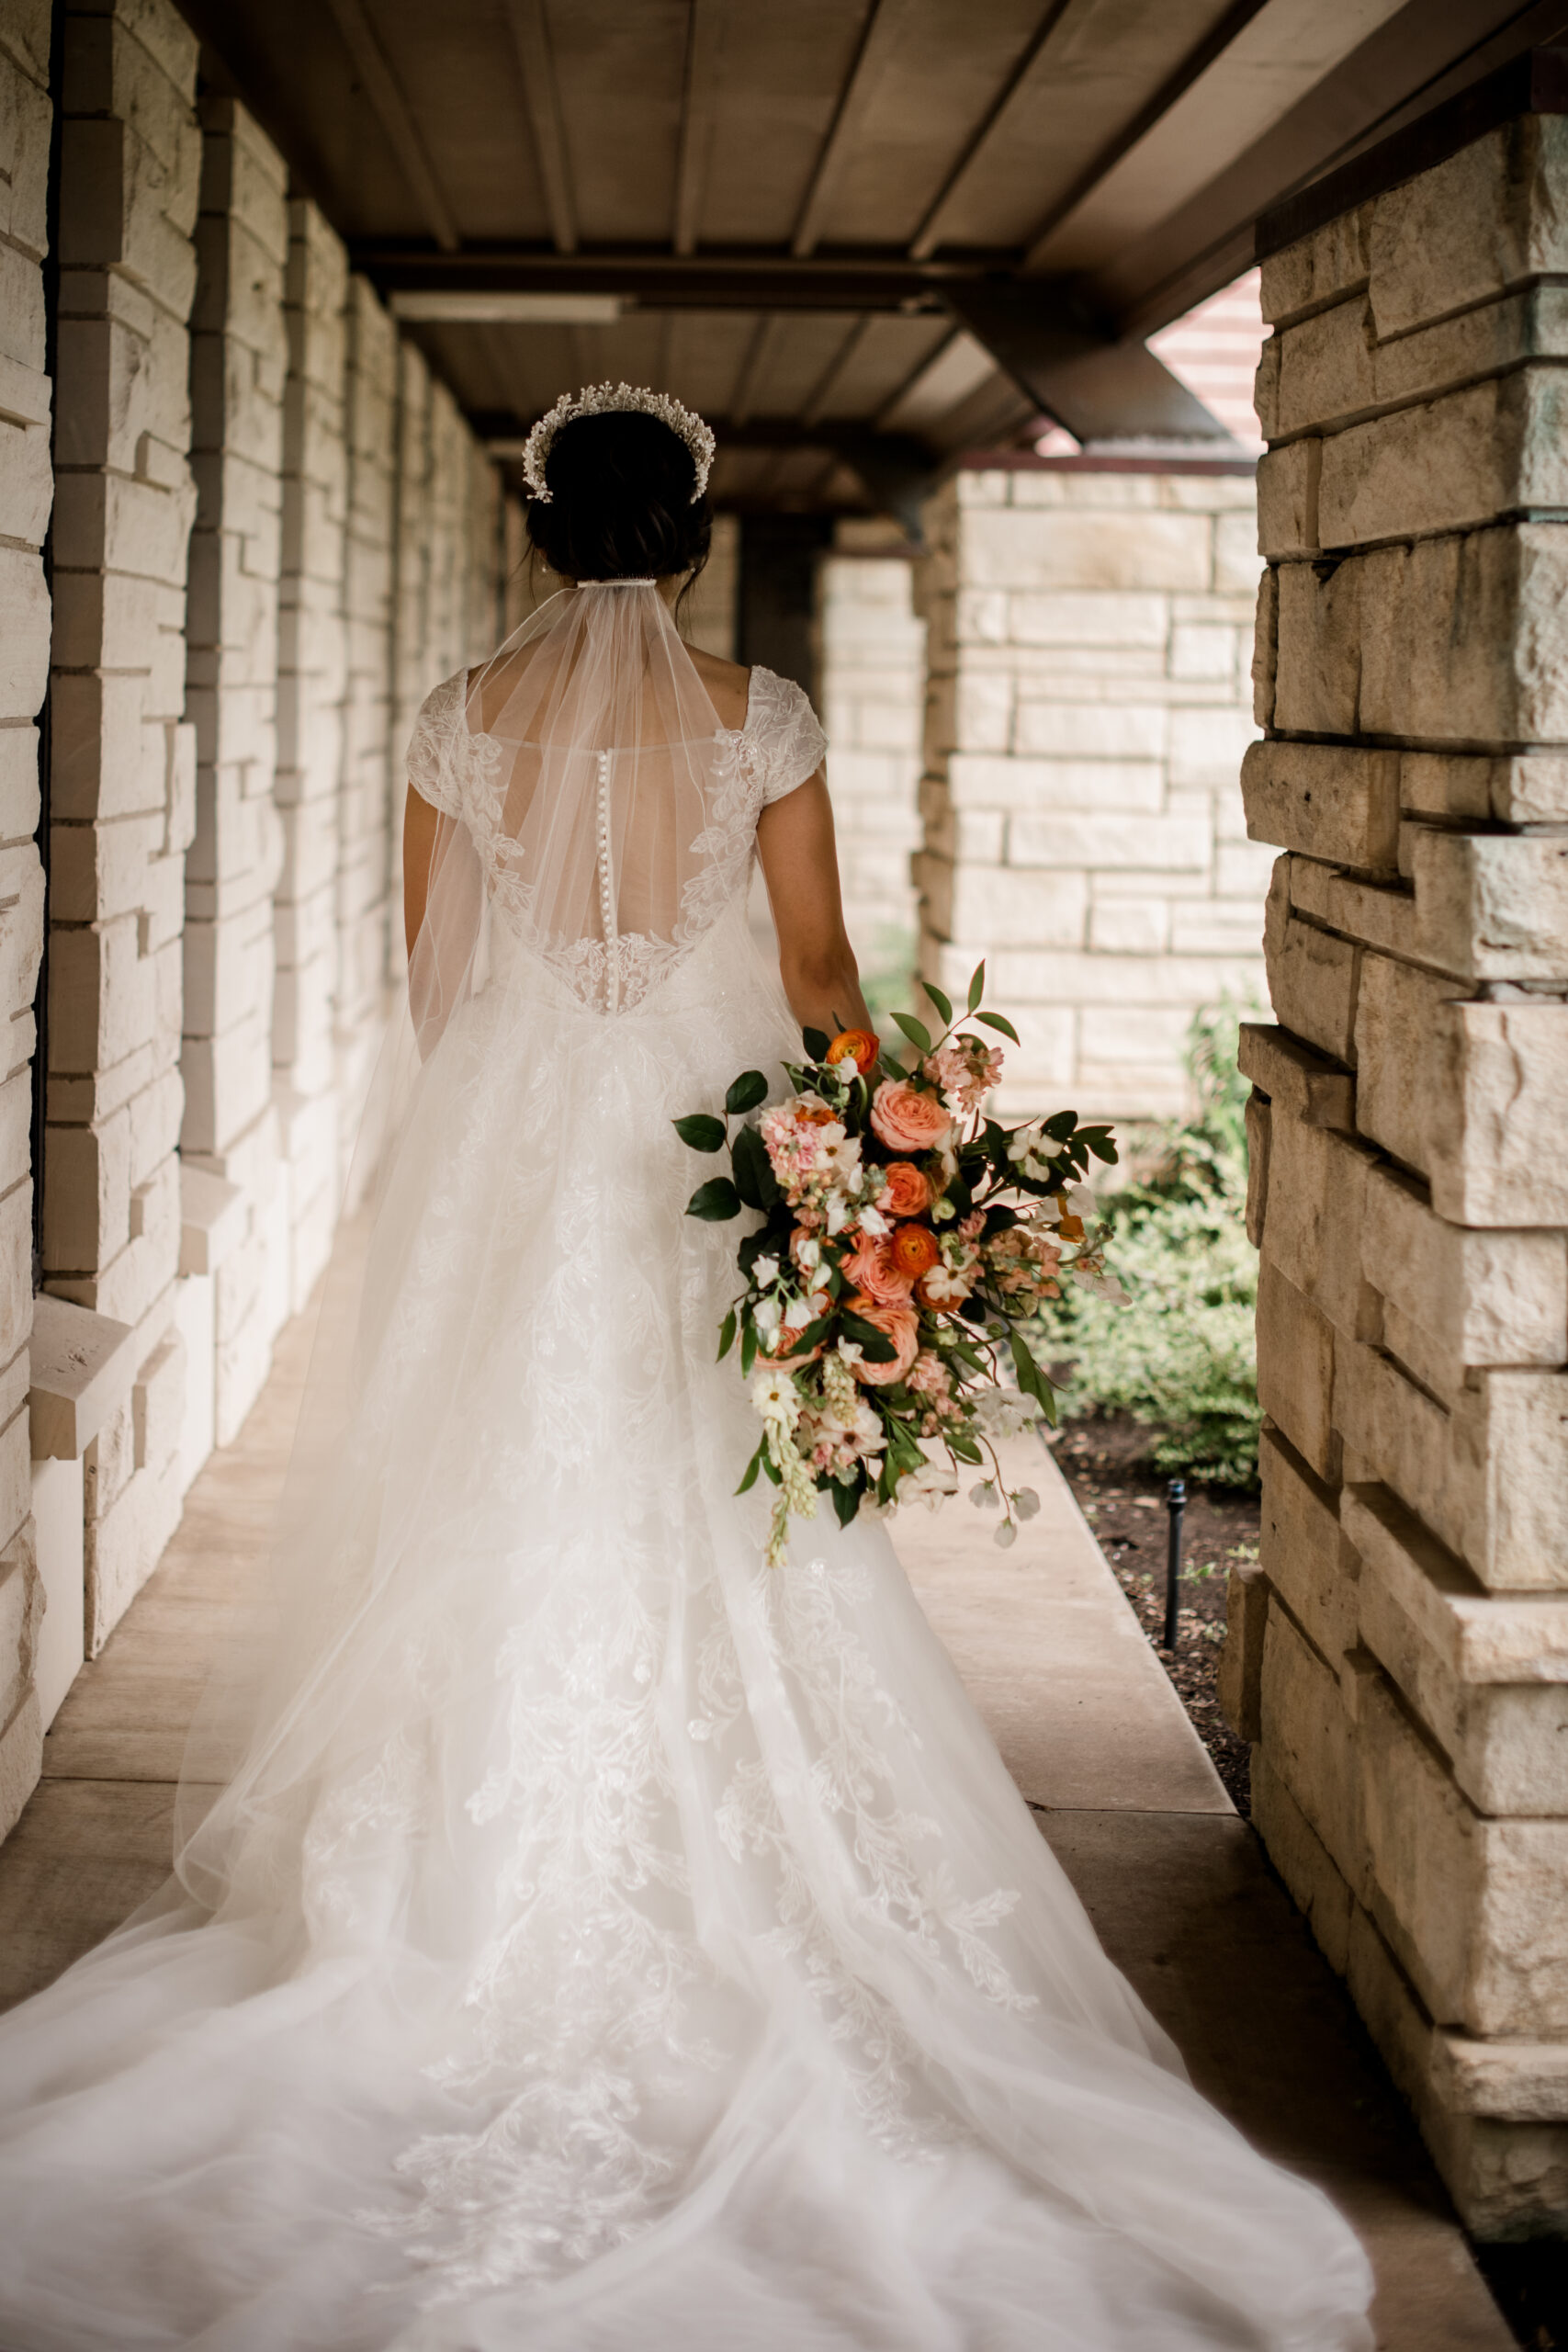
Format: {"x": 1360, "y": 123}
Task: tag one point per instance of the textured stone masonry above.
{"x": 1086, "y": 718}
{"x": 1402, "y": 1659}
{"x": 871, "y": 690}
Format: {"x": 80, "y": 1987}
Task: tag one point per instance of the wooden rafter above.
{"x": 929, "y": 235}
{"x": 541, "y": 93}
{"x": 699, "y": 113}
{"x": 385, "y": 92}
{"x": 821, "y": 390}
{"x": 879, "y": 45}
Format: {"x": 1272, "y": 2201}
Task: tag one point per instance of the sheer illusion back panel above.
{"x": 612, "y": 813}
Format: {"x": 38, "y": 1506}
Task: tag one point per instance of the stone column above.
{"x": 872, "y": 665}
{"x": 311, "y": 687}
{"x": 239, "y": 362}
{"x": 411, "y": 674}
{"x": 366, "y": 803}
{"x": 1402, "y": 1661}
{"x": 26, "y": 495}
{"x": 122, "y": 776}
{"x": 1085, "y": 728}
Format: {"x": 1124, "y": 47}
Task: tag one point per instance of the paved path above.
{"x": 1090, "y": 1728}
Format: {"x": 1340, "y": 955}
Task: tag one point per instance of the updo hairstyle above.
{"x": 620, "y": 506}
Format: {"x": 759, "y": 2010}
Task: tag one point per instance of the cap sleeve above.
{"x": 433, "y": 764}
{"x": 782, "y": 739}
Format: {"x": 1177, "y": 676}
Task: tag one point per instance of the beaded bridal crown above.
{"x": 599, "y": 399}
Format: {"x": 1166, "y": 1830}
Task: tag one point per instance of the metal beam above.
{"x": 385, "y": 95}
{"x": 699, "y": 113}
{"x": 1062, "y": 357}
{"x": 541, "y": 93}
{"x": 879, "y": 45}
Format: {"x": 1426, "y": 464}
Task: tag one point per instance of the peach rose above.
{"x": 900, "y": 1325}
{"x": 872, "y": 1268}
{"x": 908, "y": 1193}
{"x": 908, "y": 1120}
{"x": 913, "y": 1250}
{"x": 857, "y": 1045}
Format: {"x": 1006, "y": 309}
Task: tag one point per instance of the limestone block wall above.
{"x": 239, "y": 369}
{"x": 871, "y": 690}
{"x": 123, "y": 784}
{"x": 312, "y": 684}
{"x": 26, "y": 497}
{"x": 1401, "y": 1660}
{"x": 1082, "y": 809}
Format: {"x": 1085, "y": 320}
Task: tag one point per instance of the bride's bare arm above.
{"x": 800, "y": 865}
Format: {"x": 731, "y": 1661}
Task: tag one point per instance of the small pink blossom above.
{"x": 966, "y": 1068}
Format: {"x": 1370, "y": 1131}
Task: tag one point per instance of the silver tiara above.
{"x": 598, "y": 399}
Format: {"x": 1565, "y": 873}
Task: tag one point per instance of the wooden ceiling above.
{"x": 860, "y": 235}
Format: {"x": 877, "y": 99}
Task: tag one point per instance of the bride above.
{"x": 583, "y": 1936}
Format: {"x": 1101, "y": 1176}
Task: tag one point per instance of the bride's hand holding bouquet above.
{"x": 905, "y": 1237}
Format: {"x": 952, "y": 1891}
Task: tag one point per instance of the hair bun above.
{"x": 623, "y": 499}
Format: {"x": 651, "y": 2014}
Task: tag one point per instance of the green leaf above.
{"x": 942, "y": 1003}
{"x": 715, "y": 1201}
{"x": 977, "y": 985}
{"x": 749, "y": 1479}
{"x": 750, "y": 1089}
{"x": 916, "y": 1031}
{"x": 846, "y": 1502}
{"x": 894, "y": 1067}
{"x": 748, "y": 1351}
{"x": 998, "y": 1020}
{"x": 1030, "y": 1379}
{"x": 754, "y": 1178}
{"x": 965, "y": 1448}
{"x": 1061, "y": 1126}
{"x": 701, "y": 1131}
{"x": 1106, "y": 1151}
{"x": 816, "y": 1043}
{"x": 770, "y": 1467}
{"x": 873, "y": 1345}
{"x": 726, "y": 1335}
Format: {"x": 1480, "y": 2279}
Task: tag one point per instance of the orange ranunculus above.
{"x": 900, "y": 1326}
{"x": 914, "y": 1250}
{"x": 857, "y": 1045}
{"x": 908, "y": 1193}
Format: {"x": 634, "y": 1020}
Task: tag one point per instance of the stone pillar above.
{"x": 26, "y": 495}
{"x": 709, "y": 614}
{"x": 122, "y": 773}
{"x": 412, "y": 676}
{"x": 1086, "y": 723}
{"x": 1401, "y": 1660}
{"x": 366, "y": 802}
{"x": 311, "y": 687}
{"x": 872, "y": 665}
{"x": 239, "y": 362}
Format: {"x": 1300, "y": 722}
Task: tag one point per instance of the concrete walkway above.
{"x": 1089, "y": 1726}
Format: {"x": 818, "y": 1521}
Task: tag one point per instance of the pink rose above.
{"x": 908, "y": 1120}
{"x": 872, "y": 1268}
{"x": 898, "y": 1324}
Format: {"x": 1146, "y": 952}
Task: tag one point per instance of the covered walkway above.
{"x": 1089, "y": 1727}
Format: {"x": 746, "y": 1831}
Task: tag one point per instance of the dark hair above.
{"x": 620, "y": 506}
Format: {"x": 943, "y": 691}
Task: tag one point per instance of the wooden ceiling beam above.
{"x": 541, "y": 94}
{"x": 385, "y": 92}
{"x": 885, "y": 28}
{"x": 1067, "y": 361}
{"x": 652, "y": 277}
{"x": 928, "y": 236}
{"x": 699, "y": 114}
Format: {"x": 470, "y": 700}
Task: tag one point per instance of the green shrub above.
{"x": 1182, "y": 1356}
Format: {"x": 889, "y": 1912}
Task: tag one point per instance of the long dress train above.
{"x": 606, "y": 1941}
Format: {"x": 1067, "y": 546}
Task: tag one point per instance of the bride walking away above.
{"x": 601, "y": 1920}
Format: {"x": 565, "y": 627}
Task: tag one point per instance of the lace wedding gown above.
{"x": 605, "y": 1943}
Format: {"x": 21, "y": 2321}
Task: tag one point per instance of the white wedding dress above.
{"x": 605, "y": 1943}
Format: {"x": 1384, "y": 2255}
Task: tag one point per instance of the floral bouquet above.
{"x": 903, "y": 1238}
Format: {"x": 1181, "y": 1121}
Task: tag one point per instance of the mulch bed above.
{"x": 1106, "y": 1461}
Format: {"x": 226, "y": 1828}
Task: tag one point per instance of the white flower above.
{"x": 930, "y": 1484}
{"x": 871, "y": 1221}
{"x": 1005, "y": 1534}
{"x": 1002, "y": 1412}
{"x": 1079, "y": 1200}
{"x": 765, "y": 1272}
{"x": 851, "y": 1351}
{"x": 1025, "y": 1502}
{"x": 776, "y": 1398}
{"x": 985, "y": 1496}
{"x": 838, "y": 1213}
{"x": 944, "y": 1212}
{"x": 808, "y": 1254}
{"x": 767, "y": 1315}
{"x": 1102, "y": 1285}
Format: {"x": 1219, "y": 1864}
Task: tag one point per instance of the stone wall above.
{"x": 1402, "y": 1659}
{"x": 872, "y": 695}
{"x": 1084, "y": 726}
{"x": 122, "y": 783}
{"x": 26, "y": 497}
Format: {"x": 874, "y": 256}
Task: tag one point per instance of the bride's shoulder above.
{"x": 729, "y": 686}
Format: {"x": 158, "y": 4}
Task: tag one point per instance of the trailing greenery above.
{"x": 1183, "y": 1357}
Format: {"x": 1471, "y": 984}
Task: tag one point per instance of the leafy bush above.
{"x": 1183, "y": 1357}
